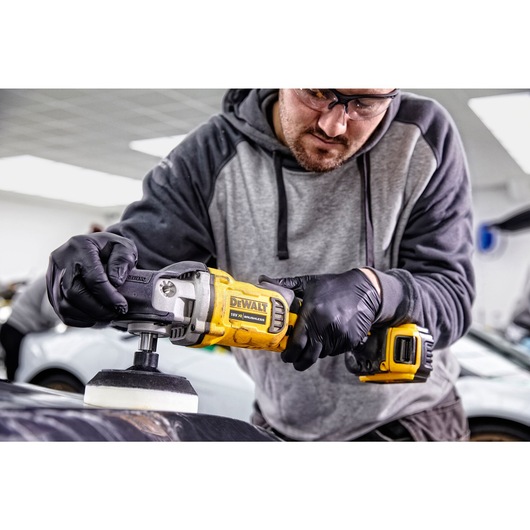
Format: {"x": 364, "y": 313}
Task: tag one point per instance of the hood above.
{"x": 250, "y": 111}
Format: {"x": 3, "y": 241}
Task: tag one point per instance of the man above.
{"x": 357, "y": 199}
{"x": 31, "y": 312}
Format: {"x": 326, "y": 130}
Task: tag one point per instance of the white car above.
{"x": 494, "y": 384}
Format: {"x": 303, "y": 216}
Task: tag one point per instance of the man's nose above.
{"x": 334, "y": 122}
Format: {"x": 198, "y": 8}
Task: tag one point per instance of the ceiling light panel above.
{"x": 507, "y": 116}
{"x": 159, "y": 147}
{"x": 39, "y": 177}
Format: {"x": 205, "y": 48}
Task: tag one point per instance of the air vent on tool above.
{"x": 177, "y": 333}
{"x": 278, "y": 316}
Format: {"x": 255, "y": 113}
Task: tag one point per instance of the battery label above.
{"x": 247, "y": 317}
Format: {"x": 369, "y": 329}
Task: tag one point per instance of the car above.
{"x": 494, "y": 383}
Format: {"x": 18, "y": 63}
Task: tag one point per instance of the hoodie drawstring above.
{"x": 282, "y": 250}
{"x": 363, "y": 162}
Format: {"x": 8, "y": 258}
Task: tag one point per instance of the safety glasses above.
{"x": 357, "y": 106}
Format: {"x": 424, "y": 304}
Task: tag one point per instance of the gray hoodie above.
{"x": 233, "y": 197}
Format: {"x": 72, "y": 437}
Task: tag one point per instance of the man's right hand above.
{"x": 84, "y": 274}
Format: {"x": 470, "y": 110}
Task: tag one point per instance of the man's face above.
{"x": 322, "y": 140}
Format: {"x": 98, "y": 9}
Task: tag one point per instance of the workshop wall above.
{"x": 31, "y": 229}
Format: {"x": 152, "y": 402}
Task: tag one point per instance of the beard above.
{"x": 317, "y": 160}
{"x": 312, "y": 158}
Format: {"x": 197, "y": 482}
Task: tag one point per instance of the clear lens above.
{"x": 316, "y": 98}
{"x": 365, "y": 108}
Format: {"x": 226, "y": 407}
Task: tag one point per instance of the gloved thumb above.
{"x": 273, "y": 285}
{"x": 296, "y": 283}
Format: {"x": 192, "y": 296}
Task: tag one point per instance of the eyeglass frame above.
{"x": 344, "y": 100}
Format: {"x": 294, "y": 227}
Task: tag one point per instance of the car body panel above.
{"x": 30, "y": 413}
{"x": 501, "y": 399}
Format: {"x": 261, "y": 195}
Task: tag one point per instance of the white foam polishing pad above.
{"x": 141, "y": 390}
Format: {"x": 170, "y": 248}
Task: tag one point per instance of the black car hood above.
{"x": 33, "y": 413}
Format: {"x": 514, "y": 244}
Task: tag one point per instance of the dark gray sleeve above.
{"x": 434, "y": 283}
{"x": 171, "y": 222}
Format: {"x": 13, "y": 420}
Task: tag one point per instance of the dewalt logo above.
{"x": 246, "y": 303}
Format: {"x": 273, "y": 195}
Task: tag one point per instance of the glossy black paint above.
{"x": 32, "y": 413}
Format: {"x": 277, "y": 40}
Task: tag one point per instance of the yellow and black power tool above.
{"x": 198, "y": 306}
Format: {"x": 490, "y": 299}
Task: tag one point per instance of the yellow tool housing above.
{"x": 246, "y": 316}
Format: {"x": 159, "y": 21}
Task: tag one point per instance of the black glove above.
{"x": 83, "y": 275}
{"x": 337, "y": 313}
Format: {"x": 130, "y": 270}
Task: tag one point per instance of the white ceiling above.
{"x": 92, "y": 128}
